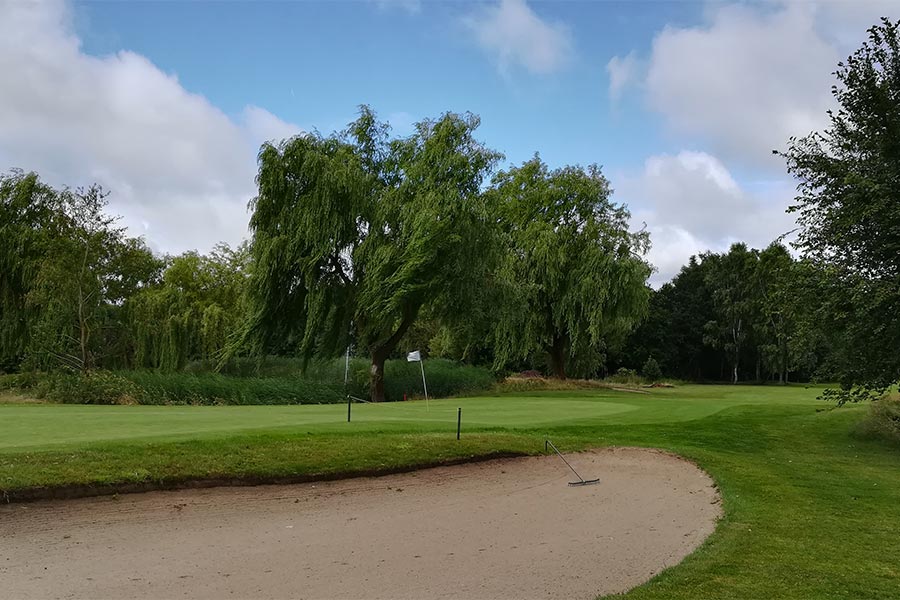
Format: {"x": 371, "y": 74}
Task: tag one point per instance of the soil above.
{"x": 508, "y": 528}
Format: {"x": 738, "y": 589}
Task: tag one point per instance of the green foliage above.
{"x": 572, "y": 271}
{"x": 70, "y": 290}
{"x": 65, "y": 271}
{"x": 245, "y": 366}
{"x": 91, "y": 387}
{"x": 191, "y": 313}
{"x": 651, "y": 371}
{"x": 848, "y": 185}
{"x": 26, "y": 210}
{"x": 275, "y": 380}
{"x": 624, "y": 375}
{"x": 19, "y": 381}
{"x": 354, "y": 234}
{"x": 730, "y": 278}
{"x": 213, "y": 388}
{"x": 445, "y": 378}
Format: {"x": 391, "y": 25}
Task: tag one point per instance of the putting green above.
{"x": 47, "y": 426}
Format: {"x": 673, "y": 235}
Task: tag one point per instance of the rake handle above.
{"x": 563, "y": 459}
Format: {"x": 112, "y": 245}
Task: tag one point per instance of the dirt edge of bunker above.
{"x": 89, "y": 490}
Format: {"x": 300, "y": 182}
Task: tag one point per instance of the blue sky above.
{"x": 313, "y": 63}
{"x": 165, "y": 103}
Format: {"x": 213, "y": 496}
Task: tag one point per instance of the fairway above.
{"x": 806, "y": 502}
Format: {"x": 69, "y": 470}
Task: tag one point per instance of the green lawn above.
{"x": 811, "y": 511}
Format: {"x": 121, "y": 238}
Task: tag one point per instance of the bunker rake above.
{"x": 581, "y": 480}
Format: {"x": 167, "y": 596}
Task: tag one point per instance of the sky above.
{"x": 166, "y": 103}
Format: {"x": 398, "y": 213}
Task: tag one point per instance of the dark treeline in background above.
{"x": 387, "y": 244}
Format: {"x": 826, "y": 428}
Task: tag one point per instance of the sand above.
{"x": 508, "y": 528}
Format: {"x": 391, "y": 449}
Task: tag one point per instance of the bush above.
{"x": 213, "y": 388}
{"x": 625, "y": 376}
{"x": 444, "y": 377}
{"x": 274, "y": 381}
{"x": 651, "y": 371}
{"x": 93, "y": 387}
{"x": 20, "y": 381}
{"x": 516, "y": 384}
{"x": 883, "y": 420}
{"x": 269, "y": 366}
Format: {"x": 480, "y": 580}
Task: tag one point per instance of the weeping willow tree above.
{"x": 26, "y": 209}
{"x": 573, "y": 273}
{"x": 355, "y": 234}
{"x": 193, "y": 311}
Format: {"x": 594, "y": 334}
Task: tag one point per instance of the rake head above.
{"x": 584, "y": 482}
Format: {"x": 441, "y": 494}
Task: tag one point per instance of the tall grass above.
{"x": 883, "y": 420}
{"x": 214, "y": 388}
{"x": 272, "y": 381}
{"x": 402, "y": 379}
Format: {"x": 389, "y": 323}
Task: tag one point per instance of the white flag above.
{"x": 413, "y": 357}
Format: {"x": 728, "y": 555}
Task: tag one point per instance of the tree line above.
{"x": 385, "y": 244}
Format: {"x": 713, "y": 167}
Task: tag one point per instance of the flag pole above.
{"x": 424, "y": 385}
{"x": 347, "y": 368}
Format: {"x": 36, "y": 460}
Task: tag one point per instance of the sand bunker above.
{"x": 507, "y": 528}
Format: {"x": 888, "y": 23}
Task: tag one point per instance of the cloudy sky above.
{"x": 166, "y": 103}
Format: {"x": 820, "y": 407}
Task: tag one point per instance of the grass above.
{"x": 248, "y": 382}
{"x": 811, "y": 510}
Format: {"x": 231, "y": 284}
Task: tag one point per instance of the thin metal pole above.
{"x": 424, "y": 385}
{"x": 564, "y": 460}
{"x": 346, "y": 378}
{"x": 458, "y": 421}
{"x": 347, "y": 368}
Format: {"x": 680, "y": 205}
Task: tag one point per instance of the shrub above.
{"x": 444, "y": 377}
{"x": 93, "y": 387}
{"x": 532, "y": 384}
{"x": 21, "y": 381}
{"x": 269, "y": 366}
{"x": 213, "y": 388}
{"x": 651, "y": 371}
{"x": 271, "y": 381}
{"x": 883, "y": 420}
{"x": 625, "y": 376}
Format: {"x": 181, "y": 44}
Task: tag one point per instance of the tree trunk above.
{"x": 382, "y": 351}
{"x": 376, "y": 376}
{"x": 558, "y": 357}
{"x": 734, "y": 377}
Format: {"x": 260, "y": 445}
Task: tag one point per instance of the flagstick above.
{"x": 424, "y": 385}
{"x": 347, "y": 368}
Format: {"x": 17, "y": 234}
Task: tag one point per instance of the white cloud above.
{"x": 691, "y": 203}
{"x": 514, "y": 35}
{"x": 260, "y": 125}
{"x": 751, "y": 75}
{"x": 746, "y": 81}
{"x": 179, "y": 169}
{"x": 740, "y": 84}
{"x": 623, "y": 71}
{"x": 845, "y": 22}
